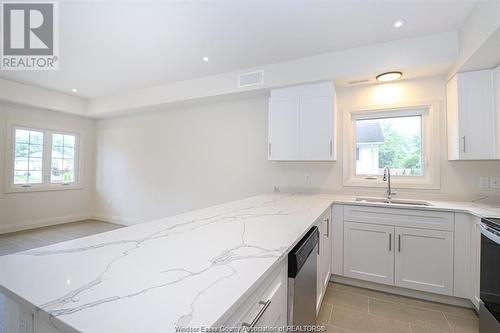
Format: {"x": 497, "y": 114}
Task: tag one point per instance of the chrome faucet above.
{"x": 387, "y": 178}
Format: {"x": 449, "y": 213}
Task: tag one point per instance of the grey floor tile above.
{"x": 410, "y": 314}
{"x": 361, "y": 322}
{"x": 343, "y": 299}
{"x": 462, "y": 324}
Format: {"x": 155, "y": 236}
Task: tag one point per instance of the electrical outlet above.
{"x": 484, "y": 182}
{"x": 495, "y": 182}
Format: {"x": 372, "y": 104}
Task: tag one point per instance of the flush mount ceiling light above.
{"x": 398, "y": 24}
{"x": 74, "y": 90}
{"x": 389, "y": 76}
{"x": 205, "y": 59}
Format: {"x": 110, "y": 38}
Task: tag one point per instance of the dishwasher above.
{"x": 302, "y": 280}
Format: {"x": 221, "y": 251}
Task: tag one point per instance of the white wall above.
{"x": 158, "y": 164}
{"x": 22, "y": 210}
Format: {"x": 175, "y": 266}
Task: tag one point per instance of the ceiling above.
{"x": 115, "y": 46}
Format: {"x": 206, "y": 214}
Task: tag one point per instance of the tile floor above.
{"x": 349, "y": 309}
{"x": 29, "y": 239}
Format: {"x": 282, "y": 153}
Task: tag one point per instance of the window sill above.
{"x": 43, "y": 188}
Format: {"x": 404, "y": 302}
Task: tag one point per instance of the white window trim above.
{"x": 431, "y": 154}
{"x": 46, "y": 185}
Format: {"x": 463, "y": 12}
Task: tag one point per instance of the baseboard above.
{"x": 44, "y": 222}
{"x": 117, "y": 219}
{"x": 451, "y": 300}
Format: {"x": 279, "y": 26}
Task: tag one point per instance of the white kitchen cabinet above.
{"x": 301, "y": 123}
{"x": 369, "y": 252}
{"x": 424, "y": 260}
{"x": 284, "y": 128}
{"x": 324, "y": 258}
{"x": 267, "y": 306}
{"x": 475, "y": 261}
{"x": 470, "y": 115}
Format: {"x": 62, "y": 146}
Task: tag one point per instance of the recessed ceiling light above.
{"x": 398, "y": 24}
{"x": 74, "y": 90}
{"x": 389, "y": 76}
{"x": 205, "y": 59}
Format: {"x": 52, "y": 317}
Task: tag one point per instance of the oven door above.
{"x": 490, "y": 280}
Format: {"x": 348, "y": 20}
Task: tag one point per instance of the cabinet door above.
{"x": 369, "y": 252}
{"x": 283, "y": 129}
{"x": 475, "y": 247}
{"x": 424, "y": 260}
{"x": 316, "y": 128}
{"x": 475, "y": 115}
{"x": 323, "y": 259}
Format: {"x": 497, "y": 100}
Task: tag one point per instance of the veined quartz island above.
{"x": 192, "y": 269}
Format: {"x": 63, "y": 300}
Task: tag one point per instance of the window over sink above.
{"x": 401, "y": 137}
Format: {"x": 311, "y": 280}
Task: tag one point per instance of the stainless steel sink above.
{"x": 395, "y": 201}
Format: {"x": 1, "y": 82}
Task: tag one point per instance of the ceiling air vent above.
{"x": 250, "y": 79}
{"x": 359, "y": 81}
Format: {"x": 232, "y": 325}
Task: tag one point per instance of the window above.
{"x": 63, "y": 159}
{"x": 42, "y": 159}
{"x": 389, "y": 142}
{"x": 28, "y": 166}
{"x": 403, "y": 138}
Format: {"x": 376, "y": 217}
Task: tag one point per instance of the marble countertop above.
{"x": 190, "y": 270}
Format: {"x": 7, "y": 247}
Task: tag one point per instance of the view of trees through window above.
{"x": 394, "y": 142}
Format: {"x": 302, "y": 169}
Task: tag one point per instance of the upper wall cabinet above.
{"x": 471, "y": 115}
{"x": 302, "y": 122}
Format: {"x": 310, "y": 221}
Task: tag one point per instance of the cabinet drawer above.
{"x": 271, "y": 295}
{"x": 402, "y": 217}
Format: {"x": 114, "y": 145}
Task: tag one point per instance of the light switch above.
{"x": 484, "y": 182}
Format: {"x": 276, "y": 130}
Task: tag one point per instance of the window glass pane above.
{"x": 20, "y": 177}
{"x": 57, "y": 140}
{"x": 36, "y": 138}
{"x": 69, "y": 152}
{"x": 63, "y": 159}
{"x": 28, "y": 161}
{"x": 392, "y": 142}
{"x": 22, "y": 150}
{"x": 35, "y": 150}
{"x": 68, "y": 176}
{"x": 69, "y": 140}
{"x": 35, "y": 164}
{"x": 35, "y": 177}
{"x": 22, "y": 136}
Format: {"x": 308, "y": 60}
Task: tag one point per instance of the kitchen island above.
{"x": 193, "y": 269}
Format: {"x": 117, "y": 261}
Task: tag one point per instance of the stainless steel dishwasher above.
{"x": 302, "y": 280}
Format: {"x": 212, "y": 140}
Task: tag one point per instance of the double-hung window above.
{"x": 42, "y": 159}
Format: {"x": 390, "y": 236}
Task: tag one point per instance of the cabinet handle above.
{"x": 328, "y": 228}
{"x": 259, "y": 314}
{"x": 269, "y": 149}
{"x": 331, "y": 147}
{"x": 390, "y": 242}
{"x": 463, "y": 138}
{"x": 399, "y": 243}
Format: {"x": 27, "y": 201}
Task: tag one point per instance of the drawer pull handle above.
{"x": 259, "y": 315}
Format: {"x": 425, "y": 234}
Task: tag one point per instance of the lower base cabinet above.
{"x": 369, "y": 252}
{"x": 418, "y": 259}
{"x": 267, "y": 306}
{"x": 424, "y": 260}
